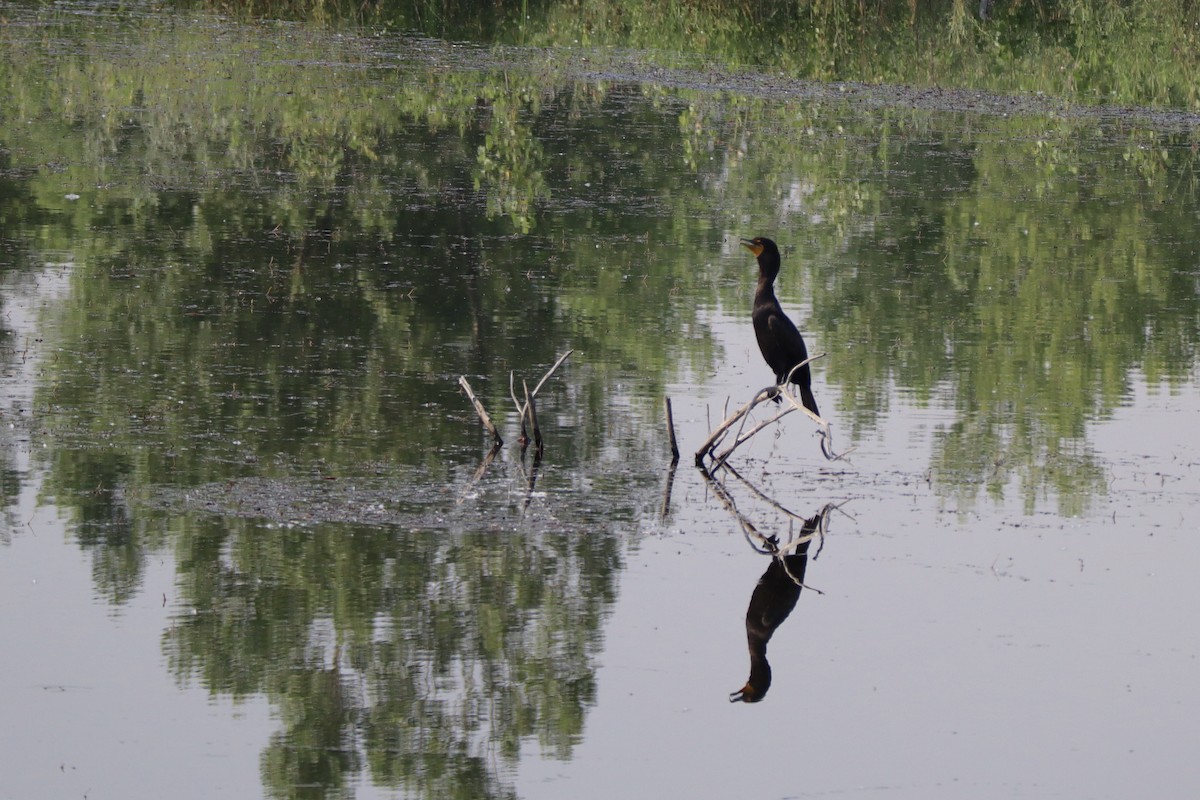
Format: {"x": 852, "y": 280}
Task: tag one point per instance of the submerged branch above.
{"x": 479, "y": 472}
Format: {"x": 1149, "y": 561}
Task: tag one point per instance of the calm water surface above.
{"x": 248, "y": 549}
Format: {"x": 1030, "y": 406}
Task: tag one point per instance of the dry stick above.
{"x": 531, "y": 407}
{"x": 524, "y": 438}
{"x": 523, "y": 408}
{"x": 741, "y": 439}
{"x": 483, "y": 415}
{"x": 730, "y": 421}
{"x": 550, "y": 372}
{"x": 825, "y": 431}
{"x": 671, "y": 433}
{"x": 764, "y": 394}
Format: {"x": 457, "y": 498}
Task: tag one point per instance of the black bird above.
{"x": 780, "y": 342}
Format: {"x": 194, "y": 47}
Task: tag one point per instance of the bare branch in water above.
{"x": 769, "y": 393}
{"x": 671, "y": 432}
{"x": 713, "y": 438}
{"x": 550, "y": 372}
{"x": 531, "y": 408}
{"x": 512, "y": 392}
{"x": 479, "y": 409}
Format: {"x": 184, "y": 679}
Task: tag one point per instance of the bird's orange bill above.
{"x": 752, "y": 246}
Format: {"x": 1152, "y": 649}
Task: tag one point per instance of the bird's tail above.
{"x": 806, "y": 397}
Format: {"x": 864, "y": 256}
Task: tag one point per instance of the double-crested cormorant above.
{"x": 780, "y": 342}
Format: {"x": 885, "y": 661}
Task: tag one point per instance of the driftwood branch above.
{"x": 823, "y": 429}
{"x": 714, "y": 438}
{"x": 479, "y": 409}
{"x": 770, "y": 393}
{"x": 741, "y": 438}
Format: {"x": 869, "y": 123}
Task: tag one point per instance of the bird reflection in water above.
{"x": 772, "y": 601}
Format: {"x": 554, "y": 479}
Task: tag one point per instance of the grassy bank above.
{"x": 1126, "y": 52}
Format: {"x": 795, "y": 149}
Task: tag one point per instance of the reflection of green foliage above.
{"x": 414, "y": 653}
{"x": 510, "y": 160}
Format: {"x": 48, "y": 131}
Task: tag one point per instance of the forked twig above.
{"x": 741, "y": 438}
{"x": 524, "y": 437}
{"x": 714, "y": 438}
{"x": 523, "y": 408}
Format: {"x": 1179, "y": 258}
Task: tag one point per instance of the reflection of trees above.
{"x": 417, "y": 654}
{"x": 932, "y": 242}
{"x": 18, "y": 213}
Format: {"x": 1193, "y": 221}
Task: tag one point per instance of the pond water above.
{"x": 252, "y": 542}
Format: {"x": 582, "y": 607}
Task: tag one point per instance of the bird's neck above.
{"x": 766, "y": 286}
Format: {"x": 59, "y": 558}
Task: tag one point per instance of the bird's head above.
{"x": 766, "y": 252}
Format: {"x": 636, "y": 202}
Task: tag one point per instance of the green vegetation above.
{"x": 1133, "y": 52}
